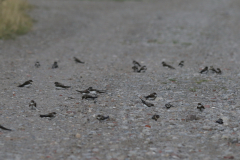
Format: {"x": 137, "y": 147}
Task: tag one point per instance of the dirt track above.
{"x": 107, "y": 36}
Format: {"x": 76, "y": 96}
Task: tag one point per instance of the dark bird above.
{"x": 84, "y": 91}
{"x": 181, "y": 64}
{"x": 219, "y": 71}
{"x": 219, "y": 121}
{"x": 152, "y": 96}
{"x": 155, "y": 117}
{"x": 77, "y": 60}
{"x": 60, "y": 86}
{"x": 205, "y": 70}
{"x": 200, "y": 107}
{"x": 142, "y": 69}
{"x": 137, "y": 64}
{"x": 50, "y": 115}
{"x": 101, "y": 117}
{"x": 33, "y": 104}
{"x": 5, "y": 128}
{"x": 55, "y": 65}
{"x": 167, "y": 65}
{"x": 37, "y": 64}
{"x": 26, "y": 84}
{"x": 213, "y": 70}
{"x": 88, "y": 96}
{"x": 135, "y": 69}
{"x": 147, "y": 103}
{"x": 168, "y": 105}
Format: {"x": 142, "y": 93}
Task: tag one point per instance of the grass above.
{"x": 13, "y": 18}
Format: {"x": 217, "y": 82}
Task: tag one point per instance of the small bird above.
{"x": 181, "y": 64}
{"x": 152, "y": 96}
{"x": 101, "y": 117}
{"x": 219, "y": 71}
{"x": 205, "y": 70}
{"x": 135, "y": 69}
{"x": 60, "y": 86}
{"x": 220, "y": 121}
{"x": 168, "y": 105}
{"x": 84, "y": 91}
{"x": 167, "y": 65}
{"x": 26, "y": 84}
{"x": 96, "y": 90}
{"x": 50, "y": 115}
{"x": 55, "y": 65}
{"x": 5, "y": 128}
{"x": 200, "y": 107}
{"x": 142, "y": 69}
{"x": 213, "y": 70}
{"x": 88, "y": 96}
{"x": 155, "y": 117}
{"x": 77, "y": 60}
{"x": 37, "y": 64}
{"x": 147, "y": 103}
{"x": 137, "y": 64}
{"x": 33, "y": 104}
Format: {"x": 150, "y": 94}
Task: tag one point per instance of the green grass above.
{"x": 13, "y": 18}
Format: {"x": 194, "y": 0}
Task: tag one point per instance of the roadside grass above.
{"x": 13, "y": 18}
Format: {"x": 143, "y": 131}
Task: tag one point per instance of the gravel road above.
{"x": 108, "y": 36}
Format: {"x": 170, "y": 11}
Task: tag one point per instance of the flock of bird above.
{"x": 91, "y": 93}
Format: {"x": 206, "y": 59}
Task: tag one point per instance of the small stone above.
{"x": 225, "y": 136}
{"x": 78, "y": 135}
{"x": 206, "y": 127}
{"x": 225, "y": 120}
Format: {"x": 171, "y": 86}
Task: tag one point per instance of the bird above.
{"x": 101, "y": 117}
{"x": 152, "y": 96}
{"x": 88, "y": 96}
{"x": 147, "y": 103}
{"x": 50, "y": 115}
{"x": 84, "y": 91}
{"x": 60, "y": 86}
{"x": 200, "y": 107}
{"x": 213, "y": 70}
{"x": 137, "y": 64}
{"x": 142, "y": 69}
{"x": 55, "y": 65}
{"x": 181, "y": 64}
{"x": 155, "y": 117}
{"x": 135, "y": 69}
{"x": 220, "y": 121}
{"x": 77, "y": 60}
{"x": 26, "y": 84}
{"x": 219, "y": 71}
{"x": 205, "y": 70}
{"x": 168, "y": 105}
{"x": 167, "y": 65}
{"x": 37, "y": 64}
{"x": 96, "y": 90}
{"x": 5, "y": 128}
{"x": 33, "y": 104}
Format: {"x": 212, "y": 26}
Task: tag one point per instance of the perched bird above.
{"x": 77, "y": 60}
{"x": 60, "y": 86}
{"x": 152, "y": 96}
{"x": 155, "y": 117}
{"x": 219, "y": 71}
{"x": 26, "y": 84}
{"x": 142, "y": 69}
{"x": 101, "y": 117}
{"x": 33, "y": 104}
{"x": 181, "y": 64}
{"x": 50, "y": 115}
{"x": 213, "y": 70}
{"x": 84, "y": 91}
{"x": 88, "y": 96}
{"x": 220, "y": 121}
{"x": 135, "y": 69}
{"x": 137, "y": 64}
{"x": 37, "y": 64}
{"x": 5, "y": 128}
{"x": 147, "y": 103}
{"x": 168, "y": 105}
{"x": 205, "y": 70}
{"x": 167, "y": 65}
{"x": 55, "y": 65}
{"x": 200, "y": 107}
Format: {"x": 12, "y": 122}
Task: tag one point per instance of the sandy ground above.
{"x": 108, "y": 36}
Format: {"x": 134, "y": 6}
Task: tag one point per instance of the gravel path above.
{"x": 108, "y": 36}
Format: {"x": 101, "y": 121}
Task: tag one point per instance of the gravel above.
{"x": 108, "y": 36}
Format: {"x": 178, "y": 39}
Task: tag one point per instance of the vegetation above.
{"x": 13, "y": 18}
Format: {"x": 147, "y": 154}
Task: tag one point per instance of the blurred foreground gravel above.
{"x": 108, "y": 36}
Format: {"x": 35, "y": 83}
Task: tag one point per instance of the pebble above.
{"x": 78, "y": 135}
{"x": 225, "y": 120}
{"x": 206, "y": 127}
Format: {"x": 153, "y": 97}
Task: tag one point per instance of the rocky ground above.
{"x": 108, "y": 36}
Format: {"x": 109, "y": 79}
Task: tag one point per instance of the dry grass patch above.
{"x": 13, "y": 18}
